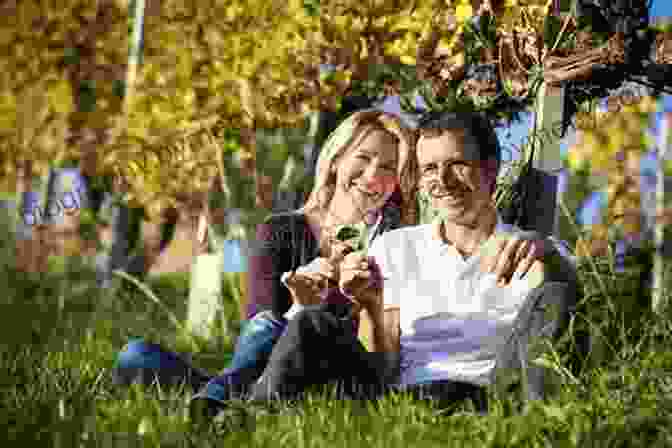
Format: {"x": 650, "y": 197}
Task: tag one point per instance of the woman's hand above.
{"x": 308, "y": 283}
{"x": 305, "y": 289}
{"x": 357, "y": 281}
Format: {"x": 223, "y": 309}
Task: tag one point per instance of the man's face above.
{"x": 458, "y": 183}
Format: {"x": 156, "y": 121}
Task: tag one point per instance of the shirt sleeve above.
{"x": 380, "y": 254}
{"x": 269, "y": 258}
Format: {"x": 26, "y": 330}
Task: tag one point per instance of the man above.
{"x": 455, "y": 309}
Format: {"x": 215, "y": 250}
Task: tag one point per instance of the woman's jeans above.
{"x": 145, "y": 363}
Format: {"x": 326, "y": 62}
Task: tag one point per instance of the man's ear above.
{"x": 490, "y": 169}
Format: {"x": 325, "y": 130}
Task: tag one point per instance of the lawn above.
{"x": 60, "y": 335}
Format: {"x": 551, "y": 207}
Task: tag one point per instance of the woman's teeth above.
{"x": 369, "y": 194}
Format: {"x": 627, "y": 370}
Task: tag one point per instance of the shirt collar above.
{"x": 500, "y": 227}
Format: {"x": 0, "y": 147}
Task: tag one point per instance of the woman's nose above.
{"x": 372, "y": 173}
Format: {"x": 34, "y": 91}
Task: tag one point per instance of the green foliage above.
{"x": 280, "y": 155}
{"x": 577, "y": 190}
{"x": 615, "y": 306}
{"x": 552, "y": 28}
{"x": 479, "y": 38}
{"x": 312, "y": 7}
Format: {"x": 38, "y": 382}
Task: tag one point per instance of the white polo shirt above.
{"x": 453, "y": 316}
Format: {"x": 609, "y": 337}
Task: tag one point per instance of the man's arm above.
{"x": 384, "y": 331}
{"x": 383, "y": 335}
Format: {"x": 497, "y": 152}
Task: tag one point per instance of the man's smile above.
{"x": 452, "y": 197}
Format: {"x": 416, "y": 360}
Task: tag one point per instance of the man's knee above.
{"x": 551, "y": 302}
{"x": 542, "y": 318}
{"x": 314, "y": 320}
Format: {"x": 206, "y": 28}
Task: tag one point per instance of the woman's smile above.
{"x": 364, "y": 192}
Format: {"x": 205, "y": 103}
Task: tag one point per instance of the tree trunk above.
{"x": 125, "y": 225}
{"x": 30, "y": 232}
{"x": 541, "y": 211}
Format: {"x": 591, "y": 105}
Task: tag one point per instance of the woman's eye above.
{"x": 459, "y": 167}
{"x": 363, "y": 157}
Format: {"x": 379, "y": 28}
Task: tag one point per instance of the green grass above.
{"x": 60, "y": 336}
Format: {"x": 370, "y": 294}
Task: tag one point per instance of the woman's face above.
{"x": 367, "y": 173}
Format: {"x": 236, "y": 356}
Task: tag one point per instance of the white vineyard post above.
{"x": 547, "y": 159}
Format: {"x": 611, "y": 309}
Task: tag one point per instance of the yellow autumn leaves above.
{"x": 604, "y": 136}
{"x": 231, "y": 64}
{"x": 611, "y": 143}
{"x": 524, "y": 14}
{"x": 158, "y": 178}
{"x": 447, "y": 18}
{"x": 44, "y": 44}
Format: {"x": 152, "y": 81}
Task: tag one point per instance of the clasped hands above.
{"x": 345, "y": 269}
{"x": 508, "y": 256}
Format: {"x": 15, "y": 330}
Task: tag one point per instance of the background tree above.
{"x": 215, "y": 73}
{"x": 610, "y": 140}
{"x": 48, "y": 112}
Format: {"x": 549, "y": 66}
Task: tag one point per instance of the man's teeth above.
{"x": 449, "y": 197}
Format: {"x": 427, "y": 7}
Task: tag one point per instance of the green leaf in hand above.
{"x": 355, "y": 235}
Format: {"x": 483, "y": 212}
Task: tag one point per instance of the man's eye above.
{"x": 363, "y": 157}
{"x": 460, "y": 167}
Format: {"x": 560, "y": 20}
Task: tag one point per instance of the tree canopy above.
{"x": 215, "y": 71}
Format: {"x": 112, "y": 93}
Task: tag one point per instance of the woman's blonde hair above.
{"x": 348, "y": 134}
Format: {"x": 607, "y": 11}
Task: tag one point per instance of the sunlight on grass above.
{"x": 182, "y": 329}
{"x": 65, "y": 334}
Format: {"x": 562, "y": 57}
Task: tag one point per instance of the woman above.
{"x": 364, "y": 174}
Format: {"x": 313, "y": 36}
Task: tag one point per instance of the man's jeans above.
{"x": 145, "y": 363}
{"x": 318, "y": 349}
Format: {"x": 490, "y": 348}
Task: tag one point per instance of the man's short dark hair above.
{"x": 477, "y": 131}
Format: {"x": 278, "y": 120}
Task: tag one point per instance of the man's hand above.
{"x": 355, "y": 281}
{"x": 514, "y": 254}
